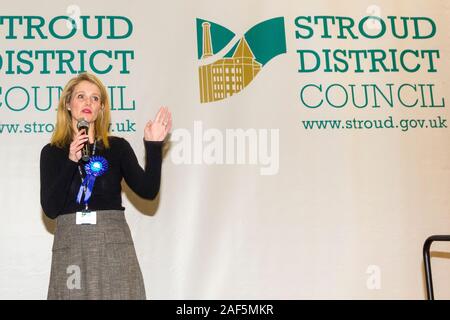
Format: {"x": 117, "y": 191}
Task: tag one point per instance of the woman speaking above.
{"x": 93, "y": 255}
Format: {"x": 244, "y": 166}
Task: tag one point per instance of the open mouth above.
{"x": 87, "y": 111}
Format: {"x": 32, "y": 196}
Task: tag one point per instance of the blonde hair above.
{"x": 63, "y": 134}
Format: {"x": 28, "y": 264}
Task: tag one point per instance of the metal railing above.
{"x": 427, "y": 262}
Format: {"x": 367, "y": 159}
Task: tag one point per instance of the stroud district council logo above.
{"x": 221, "y": 77}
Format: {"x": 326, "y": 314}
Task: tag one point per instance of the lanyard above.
{"x": 81, "y": 173}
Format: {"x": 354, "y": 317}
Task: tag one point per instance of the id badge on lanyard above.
{"x": 86, "y": 217}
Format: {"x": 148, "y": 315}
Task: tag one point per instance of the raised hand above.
{"x": 158, "y": 129}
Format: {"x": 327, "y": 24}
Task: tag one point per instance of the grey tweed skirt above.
{"x": 95, "y": 261}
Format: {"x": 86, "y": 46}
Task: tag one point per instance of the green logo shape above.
{"x": 220, "y": 36}
{"x": 266, "y": 40}
{"x": 240, "y": 65}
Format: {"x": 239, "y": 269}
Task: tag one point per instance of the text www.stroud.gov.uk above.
{"x": 388, "y": 123}
{"x": 36, "y": 127}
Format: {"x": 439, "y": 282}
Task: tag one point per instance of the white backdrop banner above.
{"x": 309, "y": 152}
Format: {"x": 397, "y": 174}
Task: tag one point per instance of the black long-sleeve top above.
{"x": 60, "y": 177}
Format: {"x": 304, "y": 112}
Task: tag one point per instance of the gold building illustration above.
{"x": 226, "y": 76}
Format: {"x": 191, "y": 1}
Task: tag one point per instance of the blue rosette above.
{"x": 96, "y": 167}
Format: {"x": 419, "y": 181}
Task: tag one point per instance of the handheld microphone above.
{"x": 84, "y": 125}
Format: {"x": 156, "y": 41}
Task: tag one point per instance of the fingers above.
{"x": 78, "y": 141}
{"x": 163, "y": 115}
{"x": 169, "y": 123}
{"x": 167, "y": 116}
{"x": 160, "y": 115}
{"x": 81, "y": 141}
{"x": 75, "y": 151}
{"x": 76, "y": 147}
{"x": 164, "y": 118}
{"x": 80, "y": 137}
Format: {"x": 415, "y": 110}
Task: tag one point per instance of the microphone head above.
{"x": 83, "y": 124}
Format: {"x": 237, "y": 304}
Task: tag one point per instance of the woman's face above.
{"x": 85, "y": 101}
